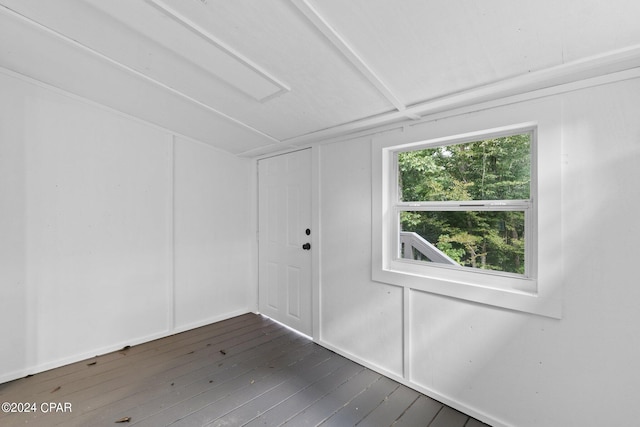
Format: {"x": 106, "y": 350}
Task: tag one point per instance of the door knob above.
{"x": 306, "y": 246}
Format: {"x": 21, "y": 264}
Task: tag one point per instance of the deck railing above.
{"x": 410, "y": 241}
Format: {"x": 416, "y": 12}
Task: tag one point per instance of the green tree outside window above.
{"x": 490, "y": 170}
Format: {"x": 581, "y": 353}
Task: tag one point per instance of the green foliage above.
{"x": 492, "y": 169}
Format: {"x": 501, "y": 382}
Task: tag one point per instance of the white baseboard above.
{"x": 210, "y": 320}
{"x": 41, "y": 367}
{"x": 31, "y": 370}
{"x": 447, "y": 400}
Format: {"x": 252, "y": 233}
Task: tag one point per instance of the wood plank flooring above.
{"x": 245, "y": 371}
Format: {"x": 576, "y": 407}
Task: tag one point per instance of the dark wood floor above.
{"x": 245, "y": 371}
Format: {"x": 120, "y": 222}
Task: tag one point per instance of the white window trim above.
{"x": 538, "y": 294}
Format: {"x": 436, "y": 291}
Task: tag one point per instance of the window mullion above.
{"x": 471, "y": 205}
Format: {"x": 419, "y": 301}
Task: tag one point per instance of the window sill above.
{"x": 513, "y": 299}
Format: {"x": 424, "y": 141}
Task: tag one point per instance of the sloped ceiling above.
{"x": 253, "y": 76}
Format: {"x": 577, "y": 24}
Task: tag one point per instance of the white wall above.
{"x": 506, "y": 367}
{"x": 214, "y": 217}
{"x": 106, "y": 239}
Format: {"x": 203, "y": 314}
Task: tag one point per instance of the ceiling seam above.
{"x": 351, "y": 55}
{"x": 90, "y": 102}
{"x": 75, "y": 43}
{"x": 616, "y": 66}
{"x": 210, "y": 38}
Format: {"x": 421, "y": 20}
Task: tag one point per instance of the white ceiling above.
{"x": 256, "y": 76}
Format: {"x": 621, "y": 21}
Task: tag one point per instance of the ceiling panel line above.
{"x": 312, "y": 14}
{"x": 196, "y": 29}
{"x": 619, "y": 65}
{"x": 10, "y": 12}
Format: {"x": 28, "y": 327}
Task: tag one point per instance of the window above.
{"x": 467, "y": 204}
{"x": 469, "y": 207}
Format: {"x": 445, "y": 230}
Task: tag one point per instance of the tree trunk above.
{"x": 514, "y": 237}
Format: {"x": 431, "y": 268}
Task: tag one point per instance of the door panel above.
{"x": 284, "y": 192}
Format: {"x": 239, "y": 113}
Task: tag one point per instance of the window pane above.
{"x": 490, "y": 240}
{"x": 490, "y": 169}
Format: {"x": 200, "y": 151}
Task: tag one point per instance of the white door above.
{"x": 285, "y": 239}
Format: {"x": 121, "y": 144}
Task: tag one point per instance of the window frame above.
{"x": 527, "y": 206}
{"x": 541, "y": 292}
